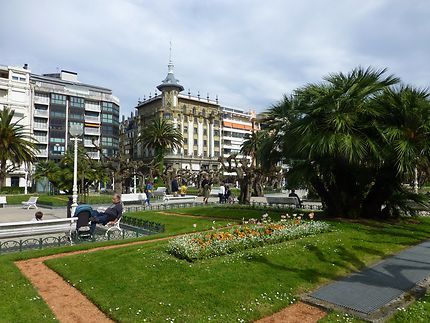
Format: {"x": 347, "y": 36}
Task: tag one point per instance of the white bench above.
{"x": 31, "y": 202}
{"x": 282, "y": 199}
{"x": 133, "y": 197}
{"x": 170, "y": 199}
{"x": 3, "y": 201}
{"x": 29, "y": 228}
{"x": 214, "y": 191}
{"x": 159, "y": 192}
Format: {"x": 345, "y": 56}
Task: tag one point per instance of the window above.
{"x": 216, "y": 143}
{"x": 195, "y": 119}
{"x": 107, "y": 118}
{"x": 205, "y": 132}
{"x": 195, "y": 152}
{"x": 55, "y": 114}
{"x": 216, "y": 132}
{"x": 77, "y": 102}
{"x": 58, "y": 99}
{"x": 185, "y": 151}
{"x": 205, "y": 142}
{"x": 167, "y": 116}
{"x": 14, "y": 181}
{"x": 195, "y": 130}
{"x": 58, "y": 140}
{"x": 195, "y": 141}
{"x": 185, "y": 129}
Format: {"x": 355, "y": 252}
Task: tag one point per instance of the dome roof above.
{"x": 170, "y": 81}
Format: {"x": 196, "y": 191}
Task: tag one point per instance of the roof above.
{"x": 170, "y": 81}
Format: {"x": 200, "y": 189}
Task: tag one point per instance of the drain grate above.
{"x": 376, "y": 286}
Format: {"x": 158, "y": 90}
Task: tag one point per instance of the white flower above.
{"x": 194, "y": 225}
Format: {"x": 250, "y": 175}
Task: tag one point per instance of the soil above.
{"x": 296, "y": 313}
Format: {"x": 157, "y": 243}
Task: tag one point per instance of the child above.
{"x": 183, "y": 190}
{"x": 37, "y": 216}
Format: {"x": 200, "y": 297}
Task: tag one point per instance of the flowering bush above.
{"x": 211, "y": 244}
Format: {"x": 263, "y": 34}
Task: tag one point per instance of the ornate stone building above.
{"x": 199, "y": 120}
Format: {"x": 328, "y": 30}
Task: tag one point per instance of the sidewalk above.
{"x": 376, "y": 292}
{"x": 18, "y": 213}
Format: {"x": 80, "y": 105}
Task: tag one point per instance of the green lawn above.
{"x": 245, "y": 286}
{"x": 237, "y": 212}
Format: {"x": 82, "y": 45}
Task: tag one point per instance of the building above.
{"x": 209, "y": 129}
{"x": 51, "y": 103}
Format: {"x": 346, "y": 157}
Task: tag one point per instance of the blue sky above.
{"x": 249, "y": 53}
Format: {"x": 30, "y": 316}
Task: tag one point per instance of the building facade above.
{"x": 209, "y": 129}
{"x": 51, "y": 103}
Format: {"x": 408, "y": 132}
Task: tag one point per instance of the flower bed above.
{"x": 206, "y": 245}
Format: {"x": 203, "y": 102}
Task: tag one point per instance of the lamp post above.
{"x": 75, "y": 131}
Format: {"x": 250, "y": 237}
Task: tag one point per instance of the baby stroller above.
{"x": 83, "y": 230}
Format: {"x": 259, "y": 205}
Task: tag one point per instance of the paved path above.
{"x": 374, "y": 288}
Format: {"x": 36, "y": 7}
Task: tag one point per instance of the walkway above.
{"x": 370, "y": 293}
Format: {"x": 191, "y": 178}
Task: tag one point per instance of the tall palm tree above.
{"x": 16, "y": 144}
{"x": 160, "y": 136}
{"x": 251, "y": 145}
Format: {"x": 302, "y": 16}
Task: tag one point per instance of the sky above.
{"x": 249, "y": 53}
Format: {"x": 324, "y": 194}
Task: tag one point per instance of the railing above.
{"x": 92, "y": 119}
{"x": 42, "y": 153}
{"x": 41, "y": 100}
{"x": 41, "y": 140}
{"x": 41, "y": 126}
{"x": 132, "y": 228}
{"x": 92, "y": 107}
{"x": 91, "y": 143}
{"x": 41, "y": 113}
{"x": 93, "y": 154}
{"x": 92, "y": 131}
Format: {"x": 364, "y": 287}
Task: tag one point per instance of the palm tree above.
{"x": 251, "y": 145}
{"x": 160, "y": 136}
{"x": 16, "y": 144}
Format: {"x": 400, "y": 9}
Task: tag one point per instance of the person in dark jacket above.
{"x": 112, "y": 214}
{"x": 293, "y": 194}
{"x": 175, "y": 186}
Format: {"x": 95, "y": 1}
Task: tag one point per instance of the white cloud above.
{"x": 247, "y": 52}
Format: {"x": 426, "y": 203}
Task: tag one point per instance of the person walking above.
{"x": 148, "y": 191}
{"x": 175, "y": 186}
{"x": 206, "y": 189}
{"x": 221, "y": 193}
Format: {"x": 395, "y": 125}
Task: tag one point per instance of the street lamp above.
{"x": 75, "y": 131}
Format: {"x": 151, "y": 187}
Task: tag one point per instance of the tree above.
{"x": 160, "y": 136}
{"x": 354, "y": 138}
{"x": 16, "y": 144}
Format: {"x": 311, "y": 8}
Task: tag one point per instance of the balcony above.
{"x": 42, "y": 153}
{"x": 92, "y": 107}
{"x": 92, "y": 119}
{"x": 41, "y": 139}
{"x": 94, "y": 154}
{"x": 92, "y": 131}
{"x": 91, "y": 143}
{"x": 41, "y": 100}
{"x": 41, "y": 113}
{"x": 40, "y": 126}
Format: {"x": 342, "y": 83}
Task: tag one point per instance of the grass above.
{"x": 243, "y": 286}
{"x": 236, "y": 212}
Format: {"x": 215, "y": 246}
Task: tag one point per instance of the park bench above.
{"x": 214, "y": 191}
{"x": 3, "y": 201}
{"x": 282, "y": 199}
{"x": 31, "y": 202}
{"x": 170, "y": 199}
{"x": 29, "y": 228}
{"x": 133, "y": 197}
{"x": 160, "y": 192}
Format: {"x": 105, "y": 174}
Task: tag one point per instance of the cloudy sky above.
{"x": 248, "y": 53}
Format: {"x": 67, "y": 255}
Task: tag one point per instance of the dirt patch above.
{"x": 296, "y": 313}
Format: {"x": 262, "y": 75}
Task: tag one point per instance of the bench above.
{"x": 3, "y": 201}
{"x": 160, "y": 192}
{"x": 29, "y": 228}
{"x": 133, "y": 197}
{"x": 170, "y": 199}
{"x": 282, "y": 199}
{"x": 31, "y": 202}
{"x": 214, "y": 191}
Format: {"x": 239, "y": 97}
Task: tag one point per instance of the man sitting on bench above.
{"x": 111, "y": 214}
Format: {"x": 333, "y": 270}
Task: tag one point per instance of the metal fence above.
{"x": 131, "y": 228}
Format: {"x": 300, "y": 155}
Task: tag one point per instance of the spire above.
{"x": 170, "y": 82}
